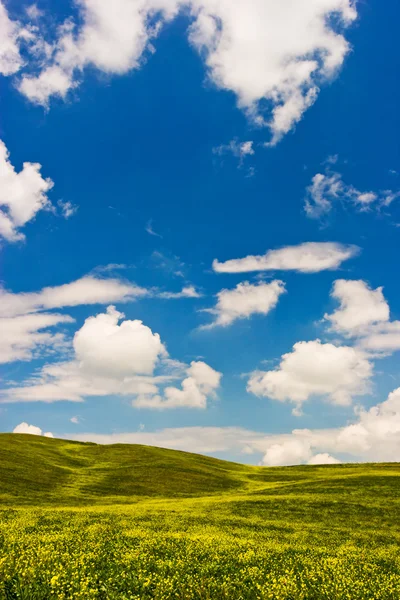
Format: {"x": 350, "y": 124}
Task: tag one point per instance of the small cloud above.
{"x": 67, "y": 209}
{"x": 187, "y": 292}
{"x": 239, "y": 150}
{"x": 171, "y": 264}
{"x": 33, "y": 12}
{"x": 328, "y": 189}
{"x": 75, "y": 420}
{"x": 244, "y": 301}
{"x": 111, "y": 267}
{"x": 141, "y": 427}
{"x": 331, "y": 160}
{"x": 31, "y": 430}
{"x": 150, "y": 230}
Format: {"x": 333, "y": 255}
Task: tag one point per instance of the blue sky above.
{"x": 168, "y": 149}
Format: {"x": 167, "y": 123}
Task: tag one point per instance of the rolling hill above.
{"x": 38, "y": 470}
{"x": 79, "y": 520}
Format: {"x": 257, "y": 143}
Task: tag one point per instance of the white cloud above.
{"x": 106, "y": 348}
{"x": 289, "y": 452}
{"x": 150, "y": 230}
{"x": 323, "y": 459}
{"x": 310, "y": 257}
{"x": 112, "y": 38}
{"x": 31, "y": 429}
{"x": 244, "y": 301}
{"x": 239, "y": 149}
{"x": 67, "y": 209}
{"x": 336, "y": 373}
{"x": 364, "y": 315}
{"x": 10, "y": 34}
{"x": 33, "y": 12}
{"x": 201, "y": 383}
{"x": 24, "y": 326}
{"x": 25, "y": 336}
{"x": 22, "y": 319}
{"x": 22, "y": 195}
{"x": 87, "y": 290}
{"x": 257, "y": 49}
{"x": 382, "y": 338}
{"x": 75, "y": 420}
{"x": 187, "y": 292}
{"x": 374, "y": 436}
{"x": 262, "y": 50}
{"x": 329, "y": 188}
{"x": 206, "y": 440}
{"x": 119, "y": 359}
{"x": 360, "y": 307}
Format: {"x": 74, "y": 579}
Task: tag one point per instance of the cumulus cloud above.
{"x": 31, "y": 429}
{"x": 360, "y": 307}
{"x": 373, "y": 437}
{"x": 25, "y": 320}
{"x": 253, "y": 48}
{"x": 310, "y": 257}
{"x": 244, "y": 301}
{"x": 201, "y": 383}
{"x": 10, "y": 34}
{"x": 328, "y": 188}
{"x": 262, "y": 51}
{"x": 24, "y": 317}
{"x": 337, "y": 373}
{"x": 323, "y": 459}
{"x": 105, "y": 347}
{"x": 116, "y": 357}
{"x": 364, "y": 316}
{"x": 22, "y": 195}
{"x": 289, "y": 452}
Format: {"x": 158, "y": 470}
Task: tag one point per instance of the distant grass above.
{"x": 133, "y": 522}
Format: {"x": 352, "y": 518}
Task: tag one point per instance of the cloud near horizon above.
{"x": 31, "y": 430}
{"x": 373, "y": 435}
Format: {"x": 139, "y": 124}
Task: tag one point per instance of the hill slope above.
{"x": 36, "y": 470}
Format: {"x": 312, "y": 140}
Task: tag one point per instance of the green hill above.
{"x": 41, "y": 470}
{"x": 128, "y": 522}
{"x": 37, "y": 470}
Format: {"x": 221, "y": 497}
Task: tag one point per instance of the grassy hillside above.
{"x": 37, "y": 470}
{"x": 80, "y": 521}
{"x": 42, "y": 470}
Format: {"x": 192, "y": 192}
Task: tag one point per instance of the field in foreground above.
{"x": 129, "y": 522}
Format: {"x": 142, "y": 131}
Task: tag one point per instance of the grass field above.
{"x": 133, "y": 522}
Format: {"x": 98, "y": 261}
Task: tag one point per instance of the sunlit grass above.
{"x": 287, "y": 533}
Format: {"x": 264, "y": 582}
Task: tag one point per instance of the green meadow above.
{"x": 120, "y": 522}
